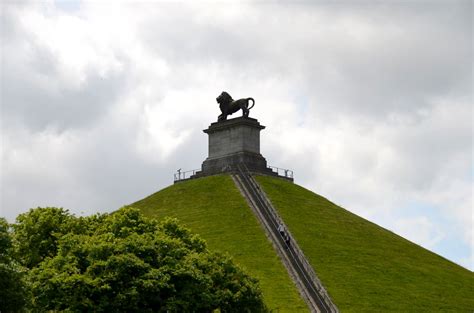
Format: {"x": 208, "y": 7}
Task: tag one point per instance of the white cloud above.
{"x": 467, "y": 262}
{"x": 371, "y": 105}
{"x": 420, "y": 230}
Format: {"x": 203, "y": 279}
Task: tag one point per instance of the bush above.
{"x": 125, "y": 262}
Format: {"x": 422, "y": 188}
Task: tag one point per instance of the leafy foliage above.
{"x": 12, "y": 291}
{"x": 126, "y": 262}
{"x": 37, "y": 232}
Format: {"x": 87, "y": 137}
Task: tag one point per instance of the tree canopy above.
{"x": 125, "y": 262}
{"x": 12, "y": 291}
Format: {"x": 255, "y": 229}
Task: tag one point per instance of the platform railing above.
{"x": 183, "y": 175}
{"x": 282, "y": 171}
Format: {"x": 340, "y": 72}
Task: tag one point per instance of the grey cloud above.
{"x": 61, "y": 109}
{"x": 412, "y": 52}
{"x": 33, "y": 92}
{"x": 98, "y": 171}
{"x": 403, "y": 62}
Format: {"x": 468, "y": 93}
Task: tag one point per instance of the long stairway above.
{"x": 292, "y": 256}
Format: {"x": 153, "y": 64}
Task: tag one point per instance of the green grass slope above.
{"x": 214, "y": 208}
{"x": 364, "y": 267}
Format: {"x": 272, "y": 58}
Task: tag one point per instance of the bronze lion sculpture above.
{"x": 229, "y": 106}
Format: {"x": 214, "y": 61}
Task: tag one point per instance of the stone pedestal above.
{"x": 232, "y": 142}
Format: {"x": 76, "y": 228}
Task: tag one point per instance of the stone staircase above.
{"x": 292, "y": 256}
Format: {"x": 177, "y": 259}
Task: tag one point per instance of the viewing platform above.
{"x": 232, "y": 143}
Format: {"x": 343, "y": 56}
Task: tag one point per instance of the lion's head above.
{"x": 224, "y": 99}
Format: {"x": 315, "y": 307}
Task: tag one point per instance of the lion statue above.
{"x": 229, "y": 106}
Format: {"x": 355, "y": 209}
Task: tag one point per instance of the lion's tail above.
{"x": 253, "y": 103}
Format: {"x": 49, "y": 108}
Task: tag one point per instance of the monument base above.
{"x": 254, "y": 162}
{"x": 233, "y": 142}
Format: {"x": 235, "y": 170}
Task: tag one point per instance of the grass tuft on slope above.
{"x": 214, "y": 208}
{"x": 364, "y": 267}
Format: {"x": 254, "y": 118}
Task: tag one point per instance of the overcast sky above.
{"x": 370, "y": 103}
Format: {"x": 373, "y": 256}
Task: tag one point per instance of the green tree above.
{"x": 125, "y": 262}
{"x": 36, "y": 233}
{"x": 12, "y": 291}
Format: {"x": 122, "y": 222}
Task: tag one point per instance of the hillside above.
{"x": 214, "y": 208}
{"x": 364, "y": 267}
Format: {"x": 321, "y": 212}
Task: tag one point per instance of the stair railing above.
{"x": 295, "y": 253}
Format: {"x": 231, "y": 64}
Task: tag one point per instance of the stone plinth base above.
{"x": 234, "y": 136}
{"x": 254, "y": 162}
{"x": 233, "y": 142}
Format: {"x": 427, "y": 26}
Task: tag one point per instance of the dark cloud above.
{"x": 362, "y": 58}
{"x": 36, "y": 93}
{"x": 369, "y": 102}
{"x": 62, "y": 108}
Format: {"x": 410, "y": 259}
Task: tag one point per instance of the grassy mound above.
{"x": 214, "y": 208}
{"x": 364, "y": 267}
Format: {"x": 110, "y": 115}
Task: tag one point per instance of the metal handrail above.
{"x": 296, "y": 249}
{"x": 180, "y": 175}
{"x": 286, "y": 172}
{"x": 275, "y": 219}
